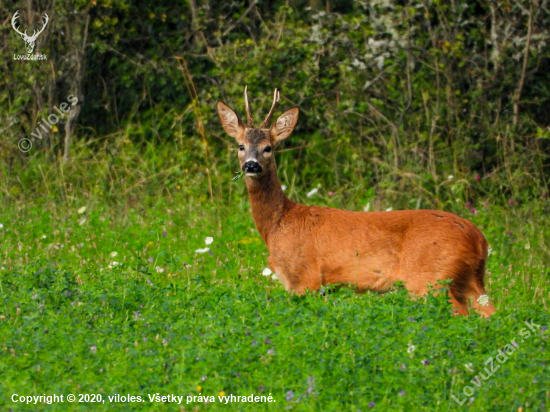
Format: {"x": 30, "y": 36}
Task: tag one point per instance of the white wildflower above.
{"x": 81, "y": 210}
{"x": 389, "y": 209}
{"x": 489, "y": 251}
{"x": 266, "y": 272}
{"x": 1, "y": 226}
{"x": 112, "y": 265}
{"x": 312, "y": 192}
{"x": 208, "y": 240}
{"x": 113, "y": 254}
{"x": 283, "y": 187}
{"x": 159, "y": 269}
{"x": 206, "y": 249}
{"x": 451, "y": 177}
{"x": 483, "y": 300}
{"x": 527, "y": 246}
{"x": 367, "y": 207}
{"x": 43, "y": 236}
{"x": 411, "y": 348}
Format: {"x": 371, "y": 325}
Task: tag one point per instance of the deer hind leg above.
{"x": 458, "y": 299}
{"x": 481, "y": 302}
{"x": 485, "y": 308}
{"x": 468, "y": 284}
{"x": 459, "y": 302}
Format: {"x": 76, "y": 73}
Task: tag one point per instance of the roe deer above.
{"x": 310, "y": 246}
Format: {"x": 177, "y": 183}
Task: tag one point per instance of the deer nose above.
{"x": 251, "y": 166}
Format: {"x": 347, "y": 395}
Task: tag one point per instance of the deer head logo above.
{"x": 29, "y": 40}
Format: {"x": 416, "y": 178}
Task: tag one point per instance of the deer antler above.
{"x": 25, "y": 36}
{"x": 275, "y": 101}
{"x": 249, "y": 122}
{"x": 15, "y": 16}
{"x": 46, "y": 20}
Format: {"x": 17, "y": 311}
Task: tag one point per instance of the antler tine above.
{"x": 249, "y": 122}
{"x": 273, "y": 106}
{"x": 13, "y": 23}
{"x": 46, "y": 19}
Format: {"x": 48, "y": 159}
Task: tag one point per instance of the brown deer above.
{"x": 311, "y": 246}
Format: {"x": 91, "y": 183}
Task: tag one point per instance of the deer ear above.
{"x": 285, "y": 124}
{"x": 231, "y": 123}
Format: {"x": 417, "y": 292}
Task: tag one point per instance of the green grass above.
{"x": 167, "y": 320}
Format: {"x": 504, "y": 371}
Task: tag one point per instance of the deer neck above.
{"x": 268, "y": 202}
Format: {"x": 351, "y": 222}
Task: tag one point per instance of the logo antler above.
{"x": 29, "y": 40}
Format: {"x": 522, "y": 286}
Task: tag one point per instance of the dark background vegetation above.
{"x": 395, "y": 96}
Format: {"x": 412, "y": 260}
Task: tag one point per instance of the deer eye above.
{"x": 267, "y": 149}
{"x": 241, "y": 147}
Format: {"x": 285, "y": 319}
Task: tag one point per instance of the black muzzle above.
{"x": 252, "y": 167}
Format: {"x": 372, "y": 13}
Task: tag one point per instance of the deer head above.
{"x": 256, "y": 144}
{"x": 29, "y": 40}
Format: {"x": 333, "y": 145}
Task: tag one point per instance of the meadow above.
{"x": 163, "y": 293}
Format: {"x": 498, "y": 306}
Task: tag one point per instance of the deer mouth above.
{"x": 248, "y": 174}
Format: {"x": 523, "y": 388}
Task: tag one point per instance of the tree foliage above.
{"x": 390, "y": 92}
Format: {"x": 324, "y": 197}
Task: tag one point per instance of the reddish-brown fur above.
{"x": 311, "y": 246}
